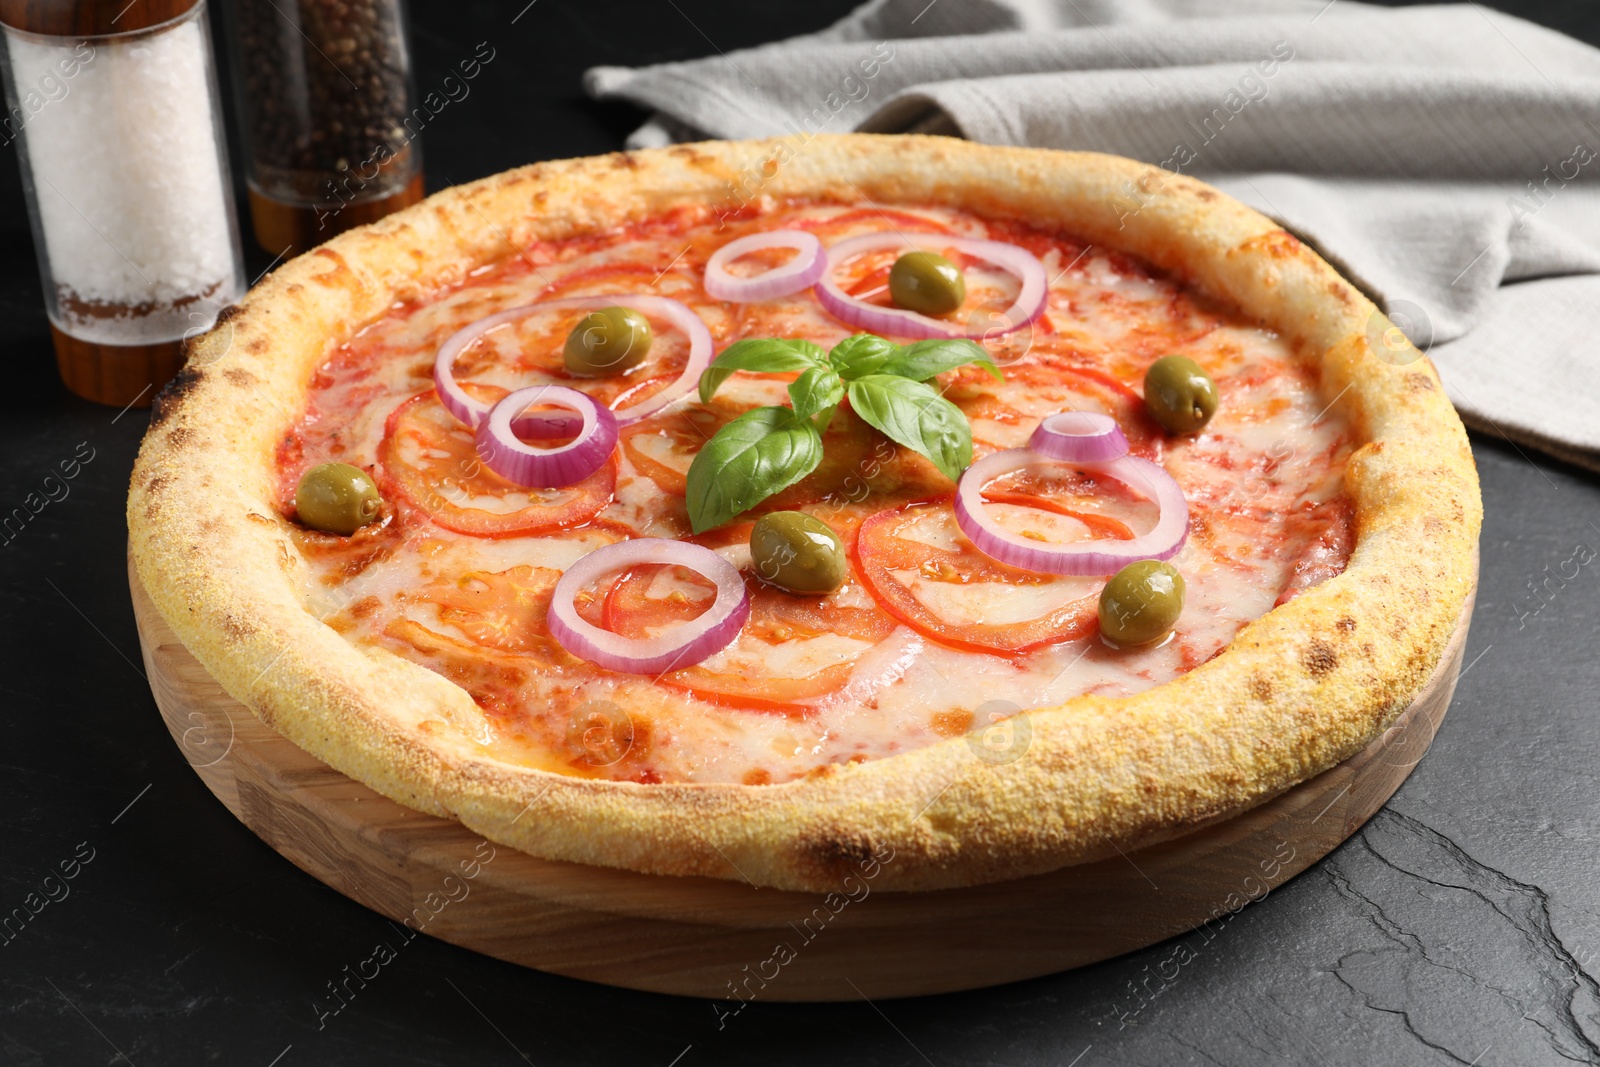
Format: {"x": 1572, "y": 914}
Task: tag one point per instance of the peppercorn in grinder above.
{"x": 331, "y": 134}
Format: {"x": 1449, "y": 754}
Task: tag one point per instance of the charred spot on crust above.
{"x": 341, "y": 273}
{"x": 1319, "y": 658}
{"x": 1261, "y": 687}
{"x": 624, "y": 161}
{"x": 1347, "y": 624}
{"x": 166, "y": 402}
{"x": 227, "y": 314}
{"x": 1419, "y": 383}
{"x": 236, "y": 627}
{"x": 239, "y": 376}
{"x": 692, "y": 154}
{"x": 1205, "y": 194}
{"x": 180, "y": 436}
{"x": 256, "y": 345}
{"x": 838, "y": 856}
{"x": 1275, "y": 244}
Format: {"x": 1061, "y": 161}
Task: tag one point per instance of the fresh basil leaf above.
{"x": 915, "y": 415}
{"x": 861, "y": 355}
{"x": 817, "y": 389}
{"x": 766, "y": 354}
{"x": 762, "y": 452}
{"x": 923, "y": 360}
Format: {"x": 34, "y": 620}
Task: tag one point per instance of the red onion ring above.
{"x": 683, "y": 646}
{"x": 1096, "y": 557}
{"x": 471, "y": 411}
{"x": 546, "y": 468}
{"x": 1028, "y": 306}
{"x": 800, "y": 272}
{"x": 1079, "y": 437}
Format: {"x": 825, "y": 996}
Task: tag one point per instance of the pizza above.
{"x": 989, "y": 508}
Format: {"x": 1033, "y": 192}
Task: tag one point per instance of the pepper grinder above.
{"x": 331, "y": 132}
{"x": 113, "y": 107}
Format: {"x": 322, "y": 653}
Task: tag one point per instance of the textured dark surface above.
{"x": 1462, "y": 925}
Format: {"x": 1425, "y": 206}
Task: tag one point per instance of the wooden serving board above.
{"x": 710, "y": 938}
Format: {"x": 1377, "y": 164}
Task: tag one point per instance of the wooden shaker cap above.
{"x": 90, "y": 18}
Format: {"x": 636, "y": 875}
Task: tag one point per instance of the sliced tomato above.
{"x": 1062, "y": 383}
{"x": 430, "y": 461}
{"x": 502, "y": 610}
{"x": 1327, "y": 552}
{"x": 490, "y": 678}
{"x": 872, "y": 283}
{"x": 1101, "y": 525}
{"x": 619, "y": 270}
{"x": 883, "y": 553}
{"x": 594, "y": 741}
{"x": 776, "y": 618}
{"x": 853, "y": 455}
{"x": 904, "y": 220}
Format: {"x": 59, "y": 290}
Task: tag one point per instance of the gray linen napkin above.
{"x": 1443, "y": 157}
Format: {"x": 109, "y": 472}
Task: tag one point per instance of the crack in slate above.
{"x": 1523, "y": 906}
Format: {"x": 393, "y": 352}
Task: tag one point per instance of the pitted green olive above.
{"x": 608, "y": 341}
{"x": 927, "y": 283}
{"x": 794, "y": 551}
{"x": 1179, "y": 394}
{"x": 337, "y": 498}
{"x": 1141, "y": 603}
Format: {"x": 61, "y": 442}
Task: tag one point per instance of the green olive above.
{"x": 1179, "y": 394}
{"x": 608, "y": 341}
{"x": 928, "y": 283}
{"x": 1141, "y": 603}
{"x": 796, "y": 552}
{"x": 337, "y": 498}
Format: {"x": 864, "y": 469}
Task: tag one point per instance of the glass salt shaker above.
{"x": 113, "y": 108}
{"x": 325, "y": 90}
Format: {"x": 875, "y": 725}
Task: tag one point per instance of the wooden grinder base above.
{"x": 709, "y": 938}
{"x": 115, "y": 375}
{"x": 285, "y": 229}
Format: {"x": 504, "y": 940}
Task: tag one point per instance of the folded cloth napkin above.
{"x": 1444, "y": 157}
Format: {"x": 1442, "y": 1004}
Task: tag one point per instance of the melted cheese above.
{"x": 1263, "y": 482}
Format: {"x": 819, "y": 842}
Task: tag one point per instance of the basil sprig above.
{"x": 768, "y": 449}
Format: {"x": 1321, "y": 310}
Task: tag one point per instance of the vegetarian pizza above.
{"x": 998, "y": 507}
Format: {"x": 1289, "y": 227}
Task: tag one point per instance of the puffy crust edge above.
{"x": 1299, "y": 690}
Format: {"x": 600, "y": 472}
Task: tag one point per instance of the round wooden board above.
{"x": 710, "y": 938}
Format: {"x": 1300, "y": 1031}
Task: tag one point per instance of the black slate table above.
{"x": 1461, "y": 925}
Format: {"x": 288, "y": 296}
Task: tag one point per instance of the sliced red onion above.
{"x": 800, "y": 272}
{"x": 700, "y": 353}
{"x": 1017, "y": 261}
{"x": 682, "y": 646}
{"x": 471, "y": 410}
{"x": 546, "y": 468}
{"x": 1100, "y": 556}
{"x": 1079, "y": 437}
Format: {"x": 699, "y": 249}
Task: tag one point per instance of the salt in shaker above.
{"x": 113, "y": 107}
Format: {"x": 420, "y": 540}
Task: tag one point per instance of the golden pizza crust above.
{"x": 1298, "y": 690}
